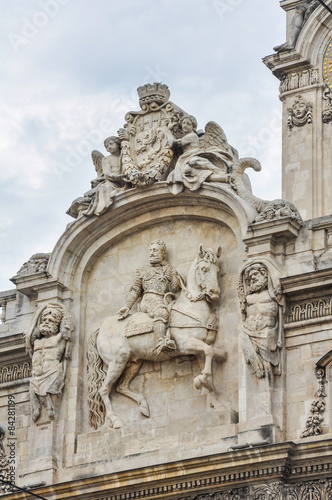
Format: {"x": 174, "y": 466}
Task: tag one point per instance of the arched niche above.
{"x": 96, "y": 261}
{"x": 314, "y": 37}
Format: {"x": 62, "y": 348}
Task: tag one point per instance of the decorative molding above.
{"x": 15, "y": 371}
{"x": 313, "y": 490}
{"x": 313, "y": 282}
{"x": 309, "y": 309}
{"x": 318, "y": 406}
{"x": 298, "y": 80}
{"x": 287, "y": 465}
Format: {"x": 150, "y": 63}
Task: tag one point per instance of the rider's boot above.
{"x": 164, "y": 342}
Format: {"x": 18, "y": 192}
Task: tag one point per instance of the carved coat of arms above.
{"x": 147, "y": 139}
{"x": 161, "y": 142}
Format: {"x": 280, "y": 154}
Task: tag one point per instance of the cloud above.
{"x": 71, "y": 74}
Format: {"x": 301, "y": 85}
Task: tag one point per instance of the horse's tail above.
{"x": 96, "y": 375}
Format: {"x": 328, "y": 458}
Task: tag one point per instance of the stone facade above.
{"x": 306, "y": 169}
{"x": 176, "y": 344}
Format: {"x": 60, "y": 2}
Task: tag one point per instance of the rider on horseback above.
{"x": 152, "y": 283}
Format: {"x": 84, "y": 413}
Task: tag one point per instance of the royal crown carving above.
{"x": 157, "y": 92}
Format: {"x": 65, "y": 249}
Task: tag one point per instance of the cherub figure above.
{"x": 106, "y": 185}
{"x": 203, "y": 158}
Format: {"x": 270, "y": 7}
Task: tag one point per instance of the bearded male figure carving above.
{"x": 261, "y": 309}
{"x": 49, "y": 344}
{"x": 152, "y": 283}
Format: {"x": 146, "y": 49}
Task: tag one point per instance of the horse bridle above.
{"x": 208, "y": 326}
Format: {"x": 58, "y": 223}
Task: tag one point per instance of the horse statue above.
{"x": 193, "y": 326}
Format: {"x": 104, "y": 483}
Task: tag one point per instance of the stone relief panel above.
{"x": 157, "y": 331}
{"x": 161, "y": 142}
{"x": 48, "y": 342}
{"x": 300, "y": 113}
{"x": 302, "y": 13}
{"x": 299, "y": 79}
{"x": 262, "y": 306}
{"x": 130, "y": 282}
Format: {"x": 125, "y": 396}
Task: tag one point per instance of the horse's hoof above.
{"x": 144, "y": 408}
{"x": 36, "y": 415}
{"x": 117, "y": 424}
{"x": 51, "y": 414}
{"x": 198, "y": 382}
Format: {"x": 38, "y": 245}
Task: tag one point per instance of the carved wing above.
{"x": 97, "y": 161}
{"x": 215, "y": 138}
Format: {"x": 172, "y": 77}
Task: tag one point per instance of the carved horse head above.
{"x": 203, "y": 275}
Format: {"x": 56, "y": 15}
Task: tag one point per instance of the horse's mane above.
{"x": 209, "y": 256}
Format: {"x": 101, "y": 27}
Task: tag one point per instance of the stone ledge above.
{"x": 286, "y": 462}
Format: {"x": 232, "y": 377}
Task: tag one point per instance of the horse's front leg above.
{"x": 198, "y": 347}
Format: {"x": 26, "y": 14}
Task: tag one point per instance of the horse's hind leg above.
{"x": 128, "y": 375}
{"x": 115, "y": 368}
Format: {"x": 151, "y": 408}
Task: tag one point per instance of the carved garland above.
{"x": 313, "y": 424}
{"x": 17, "y": 371}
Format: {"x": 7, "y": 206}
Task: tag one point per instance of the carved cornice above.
{"x": 317, "y": 490}
{"x": 11, "y": 343}
{"x": 6, "y": 296}
{"x": 283, "y": 464}
{"x": 312, "y": 281}
{"x": 33, "y": 284}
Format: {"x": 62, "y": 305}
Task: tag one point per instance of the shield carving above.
{"x": 148, "y": 153}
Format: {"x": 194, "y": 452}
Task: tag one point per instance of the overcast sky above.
{"x": 69, "y": 73}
